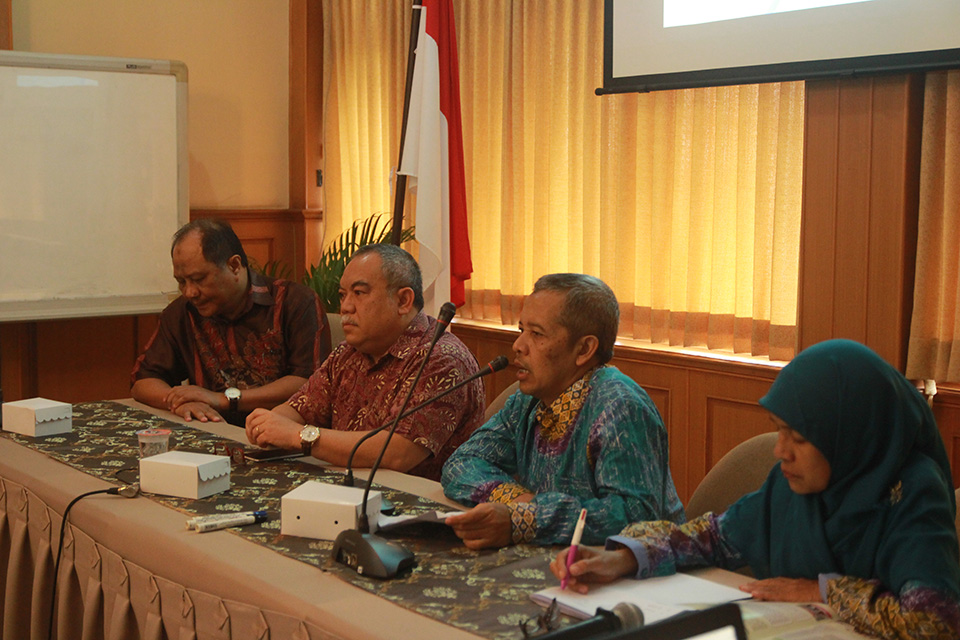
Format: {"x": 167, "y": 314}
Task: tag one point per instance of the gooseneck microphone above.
{"x": 625, "y": 616}
{"x": 497, "y": 364}
{"x": 443, "y": 319}
{"x": 359, "y": 549}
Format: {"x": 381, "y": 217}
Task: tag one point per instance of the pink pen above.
{"x": 572, "y": 553}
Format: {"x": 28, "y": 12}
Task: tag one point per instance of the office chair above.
{"x": 742, "y": 470}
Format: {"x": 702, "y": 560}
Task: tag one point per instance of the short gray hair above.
{"x": 398, "y": 267}
{"x": 590, "y": 308}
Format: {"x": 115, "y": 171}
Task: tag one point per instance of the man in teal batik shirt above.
{"x": 578, "y": 433}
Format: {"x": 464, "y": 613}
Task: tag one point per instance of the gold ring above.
{"x": 256, "y": 431}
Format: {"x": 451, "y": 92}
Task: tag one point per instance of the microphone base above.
{"x": 371, "y": 555}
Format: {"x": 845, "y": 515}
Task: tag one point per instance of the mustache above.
{"x": 348, "y": 320}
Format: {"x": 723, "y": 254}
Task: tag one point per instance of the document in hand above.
{"x": 658, "y": 598}
{"x": 390, "y": 522}
{"x": 774, "y": 620}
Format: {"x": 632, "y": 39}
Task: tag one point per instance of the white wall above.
{"x": 237, "y": 55}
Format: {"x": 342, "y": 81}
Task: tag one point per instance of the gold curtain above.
{"x": 364, "y": 69}
{"x": 934, "y": 348}
{"x": 687, "y": 203}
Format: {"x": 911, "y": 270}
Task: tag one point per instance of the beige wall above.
{"x": 236, "y": 52}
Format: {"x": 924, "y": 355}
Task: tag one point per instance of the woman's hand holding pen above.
{"x": 593, "y": 565}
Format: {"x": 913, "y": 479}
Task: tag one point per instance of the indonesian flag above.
{"x": 433, "y": 159}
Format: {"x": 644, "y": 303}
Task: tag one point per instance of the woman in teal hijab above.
{"x": 859, "y": 513}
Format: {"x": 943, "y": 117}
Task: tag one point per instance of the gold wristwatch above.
{"x": 308, "y": 436}
{"x": 233, "y": 397}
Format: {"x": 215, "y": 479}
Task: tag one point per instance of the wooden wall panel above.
{"x": 306, "y": 91}
{"x": 487, "y": 344}
{"x": 861, "y": 179}
{"x": 723, "y": 413}
{"x": 292, "y": 236}
{"x": 266, "y": 234}
{"x": 18, "y": 360}
{"x": 86, "y": 358}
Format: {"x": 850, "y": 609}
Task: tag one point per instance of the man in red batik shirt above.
{"x": 362, "y": 384}
{"x": 236, "y": 339}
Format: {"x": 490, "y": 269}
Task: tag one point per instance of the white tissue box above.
{"x": 320, "y": 510}
{"x": 37, "y": 417}
{"x": 185, "y": 474}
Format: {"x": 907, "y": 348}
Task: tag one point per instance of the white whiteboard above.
{"x": 93, "y": 184}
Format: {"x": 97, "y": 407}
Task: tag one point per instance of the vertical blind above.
{"x": 687, "y": 203}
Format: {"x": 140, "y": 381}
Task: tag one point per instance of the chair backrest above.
{"x": 500, "y": 400}
{"x": 742, "y": 470}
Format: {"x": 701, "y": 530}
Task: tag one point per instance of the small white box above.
{"x": 37, "y": 417}
{"x": 185, "y": 474}
{"x": 320, "y": 510}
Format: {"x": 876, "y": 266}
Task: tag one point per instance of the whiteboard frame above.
{"x": 61, "y": 308}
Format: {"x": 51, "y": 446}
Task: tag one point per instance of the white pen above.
{"x": 214, "y": 517}
{"x": 237, "y": 520}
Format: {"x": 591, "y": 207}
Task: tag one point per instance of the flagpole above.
{"x": 401, "y": 191}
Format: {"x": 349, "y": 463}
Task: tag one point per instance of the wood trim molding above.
{"x": 306, "y": 90}
{"x": 6, "y": 24}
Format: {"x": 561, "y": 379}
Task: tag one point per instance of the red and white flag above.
{"x": 433, "y": 159}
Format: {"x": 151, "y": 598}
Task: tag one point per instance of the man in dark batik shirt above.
{"x": 364, "y": 381}
{"x": 239, "y": 339}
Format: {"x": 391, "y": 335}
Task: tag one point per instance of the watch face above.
{"x": 309, "y": 433}
{"x": 232, "y": 393}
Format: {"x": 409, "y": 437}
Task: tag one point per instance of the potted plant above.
{"x": 324, "y": 277}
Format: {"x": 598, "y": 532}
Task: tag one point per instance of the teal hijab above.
{"x": 888, "y": 511}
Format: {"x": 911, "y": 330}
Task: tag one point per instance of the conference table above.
{"x": 131, "y": 569}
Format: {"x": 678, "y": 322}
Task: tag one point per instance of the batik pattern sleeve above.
{"x": 314, "y": 401}
{"x": 459, "y": 412}
{"x": 162, "y": 358}
{"x": 661, "y": 548}
{"x": 482, "y": 469}
{"x": 918, "y": 613}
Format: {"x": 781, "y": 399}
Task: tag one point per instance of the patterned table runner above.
{"x": 486, "y": 593}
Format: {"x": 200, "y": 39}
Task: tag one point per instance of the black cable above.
{"x": 127, "y": 491}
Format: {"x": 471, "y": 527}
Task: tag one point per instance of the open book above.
{"x": 658, "y": 598}
{"x": 792, "y": 621}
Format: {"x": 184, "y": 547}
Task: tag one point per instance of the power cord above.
{"x": 127, "y": 491}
